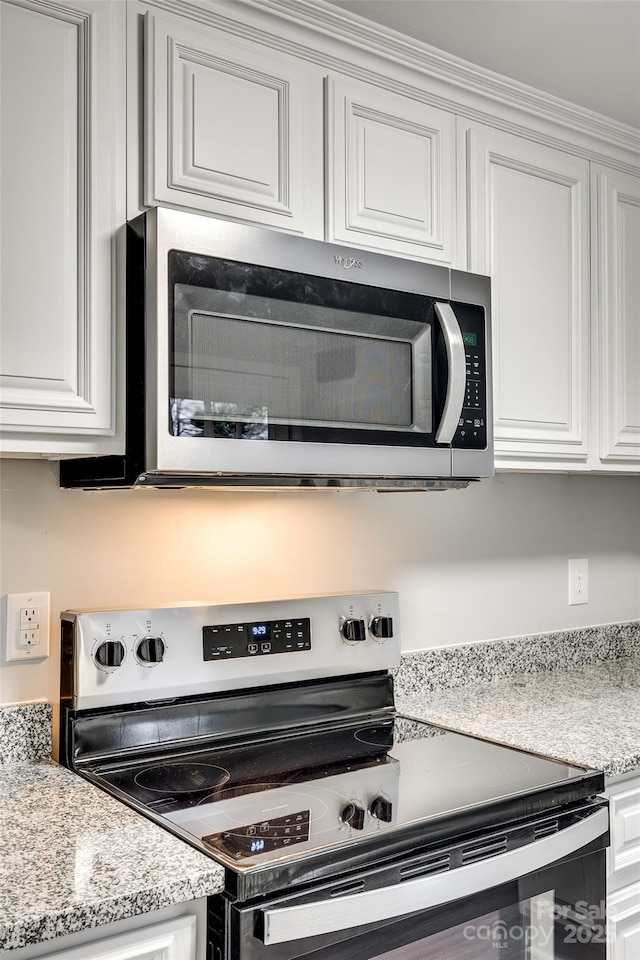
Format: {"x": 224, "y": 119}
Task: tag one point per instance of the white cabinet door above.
{"x": 624, "y": 924}
{"x": 62, "y": 177}
{"x": 527, "y": 222}
{"x": 172, "y": 940}
{"x": 390, "y": 174}
{"x": 232, "y": 128}
{"x": 623, "y": 870}
{"x": 623, "y": 855}
{"x": 616, "y": 204}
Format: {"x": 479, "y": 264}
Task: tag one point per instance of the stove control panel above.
{"x": 257, "y": 827}
{"x": 264, "y": 837}
{"x": 115, "y": 657}
{"x": 231, "y": 640}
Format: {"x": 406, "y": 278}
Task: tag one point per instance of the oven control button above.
{"x": 109, "y": 655}
{"x": 150, "y": 650}
{"x": 381, "y": 627}
{"x": 353, "y": 815}
{"x": 381, "y": 808}
{"x": 353, "y": 630}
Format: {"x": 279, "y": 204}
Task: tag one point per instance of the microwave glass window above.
{"x": 257, "y": 350}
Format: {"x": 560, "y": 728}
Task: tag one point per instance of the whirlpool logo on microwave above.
{"x": 348, "y": 263}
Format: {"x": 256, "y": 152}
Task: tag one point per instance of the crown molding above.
{"x": 453, "y": 84}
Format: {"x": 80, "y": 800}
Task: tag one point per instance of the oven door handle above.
{"x": 285, "y": 924}
{"x": 457, "y": 379}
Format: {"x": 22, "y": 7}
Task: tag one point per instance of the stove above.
{"x": 265, "y": 735}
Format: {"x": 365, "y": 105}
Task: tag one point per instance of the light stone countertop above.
{"x": 74, "y": 858}
{"x": 586, "y": 715}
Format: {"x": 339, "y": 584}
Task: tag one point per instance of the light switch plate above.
{"x": 26, "y": 625}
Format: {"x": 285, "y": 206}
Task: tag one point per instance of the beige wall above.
{"x": 489, "y": 561}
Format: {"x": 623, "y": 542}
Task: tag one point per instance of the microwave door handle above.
{"x": 285, "y": 924}
{"x": 457, "y": 380}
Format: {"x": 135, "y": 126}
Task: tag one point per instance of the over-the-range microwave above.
{"x": 260, "y": 359}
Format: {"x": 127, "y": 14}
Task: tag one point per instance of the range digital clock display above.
{"x": 261, "y": 638}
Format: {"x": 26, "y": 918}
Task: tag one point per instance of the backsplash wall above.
{"x": 477, "y": 564}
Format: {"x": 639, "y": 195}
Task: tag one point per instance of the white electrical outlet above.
{"x": 26, "y": 627}
{"x": 578, "y": 581}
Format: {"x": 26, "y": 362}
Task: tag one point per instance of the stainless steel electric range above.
{"x": 265, "y": 735}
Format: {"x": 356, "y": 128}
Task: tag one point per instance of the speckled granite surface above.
{"x": 587, "y": 715}
{"x": 445, "y": 667}
{"x": 25, "y": 732}
{"x": 95, "y": 860}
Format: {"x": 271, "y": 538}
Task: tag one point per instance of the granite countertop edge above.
{"x": 56, "y": 923}
{"x": 75, "y": 884}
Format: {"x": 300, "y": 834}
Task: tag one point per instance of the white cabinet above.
{"x": 390, "y": 172}
{"x": 62, "y": 188}
{"x": 231, "y": 128}
{"x": 616, "y": 277}
{"x": 624, "y": 923}
{"x": 623, "y": 869}
{"x": 172, "y": 940}
{"x": 528, "y": 227}
{"x": 175, "y": 932}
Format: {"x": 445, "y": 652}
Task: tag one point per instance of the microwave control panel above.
{"x": 472, "y": 425}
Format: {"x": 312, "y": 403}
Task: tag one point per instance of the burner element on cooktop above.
{"x": 376, "y": 736}
{"x": 180, "y": 777}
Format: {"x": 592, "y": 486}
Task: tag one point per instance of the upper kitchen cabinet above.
{"x": 616, "y": 206}
{"x": 62, "y": 187}
{"x": 528, "y": 227}
{"x": 232, "y": 127}
{"x": 390, "y": 171}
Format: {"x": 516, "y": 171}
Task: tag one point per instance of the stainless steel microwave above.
{"x": 260, "y": 359}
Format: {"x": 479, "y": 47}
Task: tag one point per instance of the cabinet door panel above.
{"x": 528, "y": 228}
{"x": 42, "y": 346}
{"x": 390, "y": 173}
{"x": 62, "y": 74}
{"x": 171, "y": 940}
{"x": 617, "y": 204}
{"x": 232, "y": 128}
{"x": 623, "y": 909}
{"x": 624, "y": 853}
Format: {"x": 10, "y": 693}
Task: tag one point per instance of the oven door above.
{"x": 541, "y": 901}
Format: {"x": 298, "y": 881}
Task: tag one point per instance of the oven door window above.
{"x": 553, "y": 914}
{"x": 259, "y": 353}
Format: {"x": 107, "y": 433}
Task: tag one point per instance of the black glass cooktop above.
{"x": 289, "y": 796}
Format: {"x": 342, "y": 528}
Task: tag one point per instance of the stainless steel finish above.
{"x": 304, "y": 484}
{"x": 456, "y": 384}
{"x": 380, "y": 467}
{"x": 176, "y": 230}
{"x": 184, "y": 672}
{"x": 286, "y": 924}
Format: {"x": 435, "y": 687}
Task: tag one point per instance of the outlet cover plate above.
{"x": 578, "y": 581}
{"x": 14, "y": 650}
